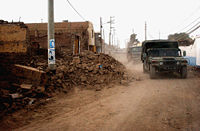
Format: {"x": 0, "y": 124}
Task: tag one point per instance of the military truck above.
{"x": 163, "y": 56}
{"x": 134, "y": 53}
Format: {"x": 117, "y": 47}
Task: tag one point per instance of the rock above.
{"x": 83, "y": 78}
{"x": 59, "y": 81}
{"x": 98, "y": 89}
{"x": 40, "y": 89}
{"x": 124, "y": 82}
{"x": 16, "y": 95}
{"x": 76, "y": 60}
{"x": 26, "y": 86}
{"x": 31, "y": 101}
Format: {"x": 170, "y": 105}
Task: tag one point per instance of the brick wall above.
{"x": 64, "y": 34}
{"x": 14, "y": 38}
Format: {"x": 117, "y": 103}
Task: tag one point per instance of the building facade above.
{"x": 76, "y": 36}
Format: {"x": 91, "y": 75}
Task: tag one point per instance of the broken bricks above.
{"x": 36, "y": 76}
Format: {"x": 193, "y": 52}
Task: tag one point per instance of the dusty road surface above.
{"x": 164, "y": 104}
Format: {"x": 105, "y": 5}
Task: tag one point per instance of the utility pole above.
{"x": 114, "y": 41}
{"x": 110, "y": 34}
{"x": 51, "y": 39}
{"x": 101, "y": 26}
{"x": 159, "y": 35}
{"x": 145, "y": 29}
{"x": 110, "y": 31}
{"x": 104, "y": 41}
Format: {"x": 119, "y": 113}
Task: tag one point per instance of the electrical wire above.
{"x": 193, "y": 27}
{"x": 191, "y": 14}
{"x": 194, "y": 30}
{"x": 191, "y": 30}
{"x": 189, "y": 24}
{"x": 75, "y": 10}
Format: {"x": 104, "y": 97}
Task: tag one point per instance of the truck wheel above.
{"x": 152, "y": 72}
{"x": 144, "y": 69}
{"x": 183, "y": 72}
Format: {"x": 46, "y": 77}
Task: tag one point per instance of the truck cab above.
{"x": 163, "y": 56}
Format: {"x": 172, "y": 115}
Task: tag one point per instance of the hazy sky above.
{"x": 166, "y": 16}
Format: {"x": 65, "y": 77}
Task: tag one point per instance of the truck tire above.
{"x": 144, "y": 69}
{"x": 152, "y": 72}
{"x": 183, "y": 72}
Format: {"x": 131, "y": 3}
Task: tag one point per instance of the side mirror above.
{"x": 184, "y": 53}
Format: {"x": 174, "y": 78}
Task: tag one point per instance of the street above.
{"x": 166, "y": 103}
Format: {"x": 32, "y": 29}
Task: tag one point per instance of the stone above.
{"x": 83, "y": 78}
{"x": 26, "y": 86}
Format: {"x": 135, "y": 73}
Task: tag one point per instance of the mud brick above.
{"x": 36, "y": 76}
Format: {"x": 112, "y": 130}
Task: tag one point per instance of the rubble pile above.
{"x": 87, "y": 70}
{"x": 14, "y": 96}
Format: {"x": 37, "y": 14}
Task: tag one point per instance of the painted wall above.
{"x": 193, "y": 52}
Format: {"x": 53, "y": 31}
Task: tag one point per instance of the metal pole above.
{"x": 101, "y": 34}
{"x": 51, "y": 40}
{"x": 145, "y": 31}
{"x": 110, "y": 31}
{"x": 159, "y": 35}
{"x": 104, "y": 42}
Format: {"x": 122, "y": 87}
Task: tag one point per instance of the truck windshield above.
{"x": 164, "y": 52}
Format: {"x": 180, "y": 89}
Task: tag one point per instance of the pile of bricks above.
{"x": 33, "y": 80}
{"x": 87, "y": 71}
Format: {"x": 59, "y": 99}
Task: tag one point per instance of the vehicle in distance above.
{"x": 163, "y": 56}
{"x": 134, "y": 53}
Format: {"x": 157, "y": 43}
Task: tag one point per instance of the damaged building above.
{"x": 73, "y": 36}
{"x": 14, "y": 37}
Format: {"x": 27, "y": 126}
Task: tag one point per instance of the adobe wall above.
{"x": 13, "y": 38}
{"x": 64, "y": 33}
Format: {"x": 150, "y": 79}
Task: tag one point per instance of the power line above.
{"x": 193, "y": 27}
{"x": 76, "y": 10}
{"x": 191, "y": 30}
{"x": 189, "y": 24}
{"x": 191, "y": 14}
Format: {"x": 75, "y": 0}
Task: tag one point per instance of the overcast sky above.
{"x": 164, "y": 16}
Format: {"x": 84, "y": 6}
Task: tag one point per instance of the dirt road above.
{"x": 167, "y": 103}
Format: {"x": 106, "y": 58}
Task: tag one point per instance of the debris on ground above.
{"x": 31, "y": 80}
